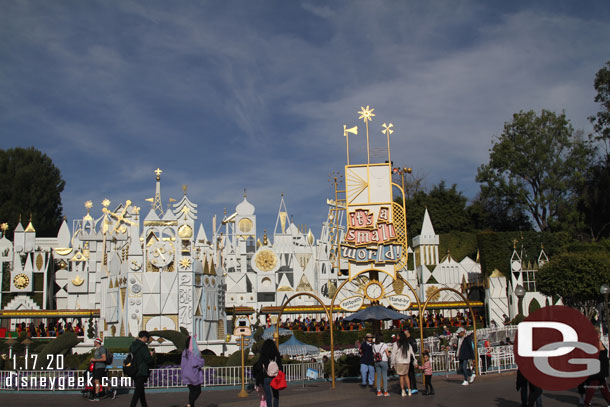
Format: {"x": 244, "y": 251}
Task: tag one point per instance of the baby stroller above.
{"x": 89, "y": 391}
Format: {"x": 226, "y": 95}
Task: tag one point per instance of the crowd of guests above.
{"x": 53, "y": 329}
{"x": 431, "y": 320}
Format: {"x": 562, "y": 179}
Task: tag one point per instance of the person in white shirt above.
{"x": 401, "y": 359}
{"x": 381, "y": 355}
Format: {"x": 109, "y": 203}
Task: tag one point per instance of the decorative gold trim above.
{"x": 160, "y": 223}
{"x": 63, "y": 251}
{"x": 78, "y": 281}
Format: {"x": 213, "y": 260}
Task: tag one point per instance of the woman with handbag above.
{"x": 265, "y": 370}
{"x": 191, "y": 365}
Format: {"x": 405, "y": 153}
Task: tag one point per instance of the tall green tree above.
{"x": 576, "y": 277}
{"x": 601, "y": 120}
{"x": 594, "y": 200}
{"x": 30, "y": 184}
{"x": 498, "y": 214}
{"x": 536, "y": 162}
{"x": 446, "y": 206}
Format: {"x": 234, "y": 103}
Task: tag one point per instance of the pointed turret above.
{"x": 282, "y": 218}
{"x": 426, "y": 244}
{"x": 19, "y": 237}
{"x": 63, "y": 236}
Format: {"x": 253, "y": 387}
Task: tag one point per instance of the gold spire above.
{"x": 158, "y": 172}
{"x": 184, "y": 188}
{"x": 30, "y": 227}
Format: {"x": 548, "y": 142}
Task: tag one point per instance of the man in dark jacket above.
{"x": 465, "y": 353}
{"x": 413, "y": 344}
{"x": 144, "y": 360}
{"x": 367, "y": 364}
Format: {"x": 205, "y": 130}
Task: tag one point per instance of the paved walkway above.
{"x": 493, "y": 390}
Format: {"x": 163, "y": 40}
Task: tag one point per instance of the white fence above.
{"x": 491, "y": 360}
{"x": 159, "y": 378}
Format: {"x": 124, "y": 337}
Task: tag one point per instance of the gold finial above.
{"x": 184, "y": 188}
{"x": 346, "y": 132}
{"x": 408, "y": 170}
{"x": 158, "y": 172}
{"x": 106, "y": 203}
{"x": 245, "y": 194}
{"x": 387, "y": 130}
{"x": 265, "y": 239}
{"x": 4, "y": 228}
{"x": 88, "y": 205}
{"x": 515, "y": 243}
{"x": 367, "y": 114}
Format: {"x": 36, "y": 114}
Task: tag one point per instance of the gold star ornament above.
{"x": 366, "y": 113}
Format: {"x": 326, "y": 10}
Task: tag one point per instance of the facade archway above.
{"x": 276, "y": 336}
{"x": 474, "y": 322}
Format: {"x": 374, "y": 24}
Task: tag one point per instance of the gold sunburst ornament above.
{"x": 185, "y": 263}
{"x": 21, "y": 281}
{"x": 430, "y": 290}
{"x": 367, "y": 114}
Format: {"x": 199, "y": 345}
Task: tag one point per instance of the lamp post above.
{"x": 520, "y": 293}
{"x": 605, "y": 290}
{"x": 402, "y": 171}
{"x": 10, "y": 342}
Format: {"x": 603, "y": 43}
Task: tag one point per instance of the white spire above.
{"x": 427, "y": 229}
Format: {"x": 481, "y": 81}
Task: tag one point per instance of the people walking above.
{"x": 401, "y": 356}
{"x": 367, "y": 363}
{"x": 465, "y": 353}
{"x": 191, "y": 365}
{"x": 143, "y": 360}
{"x": 266, "y": 368}
{"x": 534, "y": 397}
{"x": 381, "y": 354}
{"x": 99, "y": 369}
{"x": 598, "y": 380}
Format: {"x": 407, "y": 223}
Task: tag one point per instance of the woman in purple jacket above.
{"x": 191, "y": 365}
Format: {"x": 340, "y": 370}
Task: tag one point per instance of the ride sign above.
{"x": 556, "y": 348}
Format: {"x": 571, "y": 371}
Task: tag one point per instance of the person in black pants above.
{"x": 413, "y": 344}
{"x": 143, "y": 359}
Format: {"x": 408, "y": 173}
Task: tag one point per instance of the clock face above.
{"x": 265, "y": 260}
{"x": 374, "y": 291}
{"x": 21, "y": 281}
{"x": 160, "y": 254}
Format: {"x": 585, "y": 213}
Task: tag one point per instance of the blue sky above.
{"x": 227, "y": 95}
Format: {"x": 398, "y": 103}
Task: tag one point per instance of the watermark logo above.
{"x": 556, "y": 348}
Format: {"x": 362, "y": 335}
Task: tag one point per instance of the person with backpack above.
{"x": 100, "y": 358}
{"x": 143, "y": 360}
{"x": 381, "y": 355}
{"x": 265, "y": 369}
{"x": 191, "y": 365}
